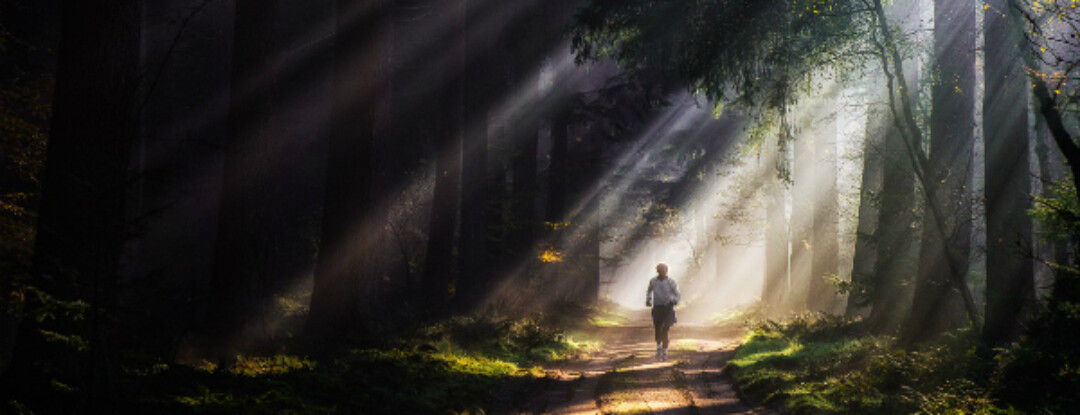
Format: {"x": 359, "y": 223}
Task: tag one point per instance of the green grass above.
{"x": 827, "y": 366}
{"x": 373, "y": 381}
{"x": 456, "y": 366}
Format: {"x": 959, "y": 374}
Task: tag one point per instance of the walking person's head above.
{"x": 661, "y": 269}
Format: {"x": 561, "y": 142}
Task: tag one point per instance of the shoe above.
{"x": 659, "y": 353}
{"x": 663, "y": 355}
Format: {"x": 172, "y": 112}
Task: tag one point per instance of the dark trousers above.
{"x": 663, "y": 317}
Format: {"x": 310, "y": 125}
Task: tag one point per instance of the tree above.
{"x": 83, "y": 221}
{"x": 448, "y": 152}
{"x": 759, "y": 54}
{"x": 339, "y": 287}
{"x": 870, "y": 203}
{"x": 804, "y": 204}
{"x": 936, "y": 307}
{"x": 822, "y": 295}
{"x": 247, "y": 261}
{"x": 476, "y": 277}
{"x": 1009, "y": 270}
{"x": 776, "y": 227}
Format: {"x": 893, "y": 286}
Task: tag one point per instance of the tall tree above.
{"x": 245, "y": 263}
{"x": 82, "y": 216}
{"x": 438, "y": 262}
{"x": 776, "y": 227}
{"x": 870, "y": 189}
{"x": 822, "y": 294}
{"x": 339, "y": 284}
{"x": 476, "y": 182}
{"x": 803, "y": 209}
{"x": 936, "y": 306}
{"x": 895, "y": 251}
{"x": 1009, "y": 271}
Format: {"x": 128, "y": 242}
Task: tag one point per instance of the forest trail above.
{"x": 625, "y": 377}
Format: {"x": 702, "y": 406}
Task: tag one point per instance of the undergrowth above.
{"x": 451, "y": 367}
{"x": 823, "y": 365}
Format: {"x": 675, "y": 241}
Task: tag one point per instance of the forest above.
{"x": 472, "y": 206}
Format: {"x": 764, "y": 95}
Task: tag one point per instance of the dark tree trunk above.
{"x": 475, "y": 280}
{"x": 81, "y": 223}
{"x": 246, "y": 263}
{"x": 862, "y": 270}
{"x": 1066, "y": 284}
{"x": 584, "y": 216}
{"x": 556, "y": 201}
{"x": 523, "y": 192}
{"x": 1009, "y": 268}
{"x": 937, "y": 306}
{"x": 1051, "y": 172}
{"x": 339, "y": 287}
{"x": 439, "y": 261}
{"x": 895, "y": 254}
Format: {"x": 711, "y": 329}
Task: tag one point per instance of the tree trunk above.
{"x": 936, "y": 306}
{"x": 774, "y": 290}
{"x": 81, "y": 222}
{"x": 246, "y": 261}
{"x": 439, "y": 261}
{"x": 866, "y": 248}
{"x": 1009, "y": 268}
{"x": 339, "y": 286}
{"x": 822, "y": 293}
{"x": 475, "y": 281}
{"x": 802, "y": 214}
{"x": 895, "y": 259}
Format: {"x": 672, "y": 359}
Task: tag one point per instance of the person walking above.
{"x": 662, "y": 296}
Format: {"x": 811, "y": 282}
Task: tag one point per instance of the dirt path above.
{"x": 626, "y": 378}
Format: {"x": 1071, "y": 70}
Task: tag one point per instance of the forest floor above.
{"x": 624, "y": 376}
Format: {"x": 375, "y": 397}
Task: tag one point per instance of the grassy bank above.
{"x": 455, "y": 366}
{"x": 822, "y": 365}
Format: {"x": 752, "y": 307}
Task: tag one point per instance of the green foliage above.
{"x": 1041, "y": 373}
{"x": 814, "y": 364}
{"x": 750, "y": 52}
{"x": 608, "y": 313}
{"x": 1058, "y": 212}
{"x": 750, "y": 314}
{"x": 273, "y": 365}
{"x": 367, "y": 381}
{"x": 523, "y": 341}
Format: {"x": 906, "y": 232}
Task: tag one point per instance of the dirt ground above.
{"x": 624, "y": 377}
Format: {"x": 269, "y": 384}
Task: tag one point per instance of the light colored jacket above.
{"x": 662, "y": 292}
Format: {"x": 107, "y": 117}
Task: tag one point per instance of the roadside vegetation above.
{"x": 454, "y": 366}
{"x": 815, "y": 364}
